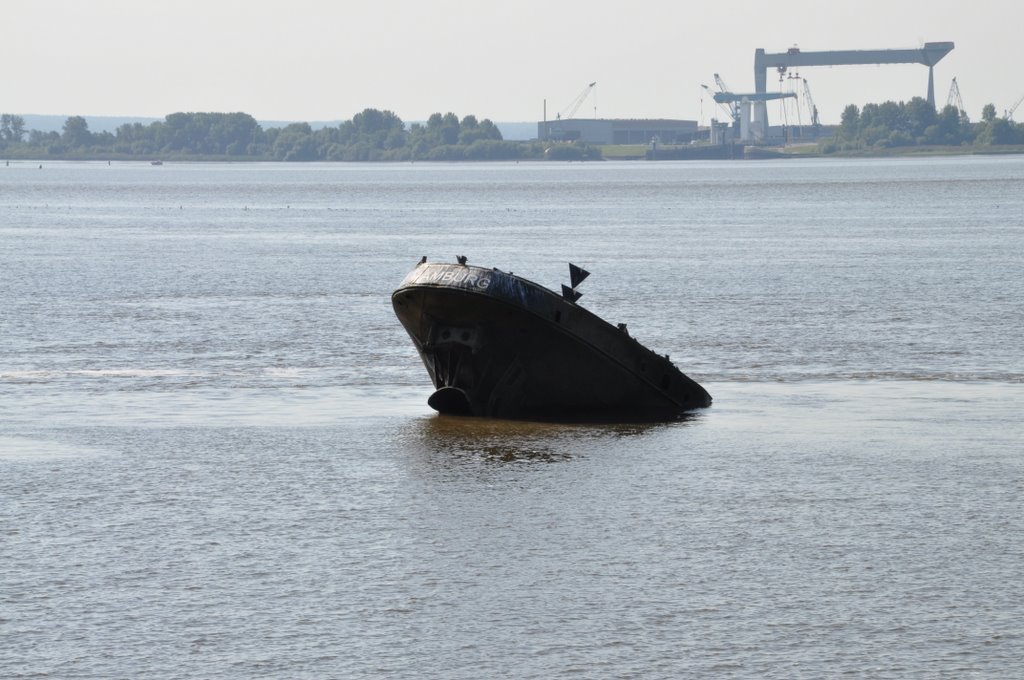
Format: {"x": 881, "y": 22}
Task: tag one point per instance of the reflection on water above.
{"x": 511, "y": 441}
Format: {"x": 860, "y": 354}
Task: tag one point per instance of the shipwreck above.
{"x": 500, "y": 346}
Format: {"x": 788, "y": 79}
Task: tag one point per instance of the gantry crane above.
{"x": 929, "y": 55}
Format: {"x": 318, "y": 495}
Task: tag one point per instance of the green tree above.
{"x": 435, "y": 121}
{"x": 39, "y": 139}
{"x": 295, "y": 143}
{"x": 12, "y": 128}
{"x": 76, "y": 133}
{"x": 916, "y": 115}
{"x": 900, "y": 124}
{"x": 174, "y": 134}
{"x": 490, "y": 129}
{"x": 949, "y": 127}
{"x": 291, "y": 146}
{"x": 999, "y": 131}
{"x": 887, "y": 114}
{"x": 232, "y": 133}
{"x": 450, "y": 129}
{"x": 472, "y": 131}
{"x": 395, "y": 138}
{"x": 298, "y": 128}
{"x": 988, "y": 113}
{"x": 372, "y": 121}
{"x": 850, "y": 121}
{"x": 371, "y": 134}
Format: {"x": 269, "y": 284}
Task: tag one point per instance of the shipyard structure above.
{"x": 747, "y": 121}
{"x": 618, "y": 130}
{"x": 757, "y": 128}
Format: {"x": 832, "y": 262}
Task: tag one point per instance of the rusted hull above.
{"x": 500, "y": 346}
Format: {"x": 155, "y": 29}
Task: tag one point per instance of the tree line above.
{"x": 917, "y": 123}
{"x": 375, "y": 135}
{"x": 371, "y": 135}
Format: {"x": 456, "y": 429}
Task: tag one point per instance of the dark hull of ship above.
{"x": 500, "y": 346}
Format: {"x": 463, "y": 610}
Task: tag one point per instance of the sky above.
{"x": 318, "y": 60}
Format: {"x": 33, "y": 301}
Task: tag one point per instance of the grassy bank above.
{"x": 935, "y": 150}
{"x": 31, "y": 155}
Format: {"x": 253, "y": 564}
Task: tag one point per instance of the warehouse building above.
{"x": 618, "y": 130}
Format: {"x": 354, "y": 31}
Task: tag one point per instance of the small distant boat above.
{"x": 156, "y": 162}
{"x": 500, "y": 346}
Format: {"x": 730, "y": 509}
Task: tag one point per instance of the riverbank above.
{"x": 935, "y": 150}
{"x": 611, "y": 152}
{"x": 624, "y": 152}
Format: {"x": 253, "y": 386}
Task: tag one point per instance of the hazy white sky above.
{"x": 319, "y": 60}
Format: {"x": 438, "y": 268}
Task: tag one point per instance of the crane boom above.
{"x": 727, "y": 108}
{"x": 730, "y": 97}
{"x": 954, "y": 98}
{"x": 810, "y": 104}
{"x": 734, "y": 107}
{"x": 1009, "y": 113}
{"x": 571, "y": 109}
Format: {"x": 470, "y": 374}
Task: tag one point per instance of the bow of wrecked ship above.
{"x": 500, "y": 346}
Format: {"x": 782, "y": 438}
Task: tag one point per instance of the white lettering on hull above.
{"x": 457, "y": 276}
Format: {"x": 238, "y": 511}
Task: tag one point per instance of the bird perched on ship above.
{"x": 423, "y": 260}
{"x": 461, "y": 258}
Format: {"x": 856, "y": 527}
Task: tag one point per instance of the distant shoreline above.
{"x": 610, "y": 153}
{"x": 1000, "y": 150}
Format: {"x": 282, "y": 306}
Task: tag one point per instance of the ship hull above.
{"x": 497, "y": 345}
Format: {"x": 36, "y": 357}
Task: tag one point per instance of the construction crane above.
{"x": 721, "y": 84}
{"x": 571, "y": 109}
{"x": 1009, "y": 112}
{"x": 727, "y": 108}
{"x": 734, "y": 107}
{"x": 810, "y": 105}
{"x": 954, "y": 98}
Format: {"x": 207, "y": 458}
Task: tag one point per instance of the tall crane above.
{"x": 810, "y": 105}
{"x": 571, "y": 109}
{"x": 734, "y": 107}
{"x": 954, "y": 98}
{"x": 1009, "y": 112}
{"x": 729, "y": 109}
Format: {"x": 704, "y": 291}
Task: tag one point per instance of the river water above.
{"x": 216, "y": 457}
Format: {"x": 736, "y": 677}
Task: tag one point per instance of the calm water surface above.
{"x": 216, "y": 458}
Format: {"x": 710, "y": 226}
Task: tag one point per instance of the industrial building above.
{"x": 618, "y": 130}
{"x": 748, "y": 112}
{"x": 757, "y": 114}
